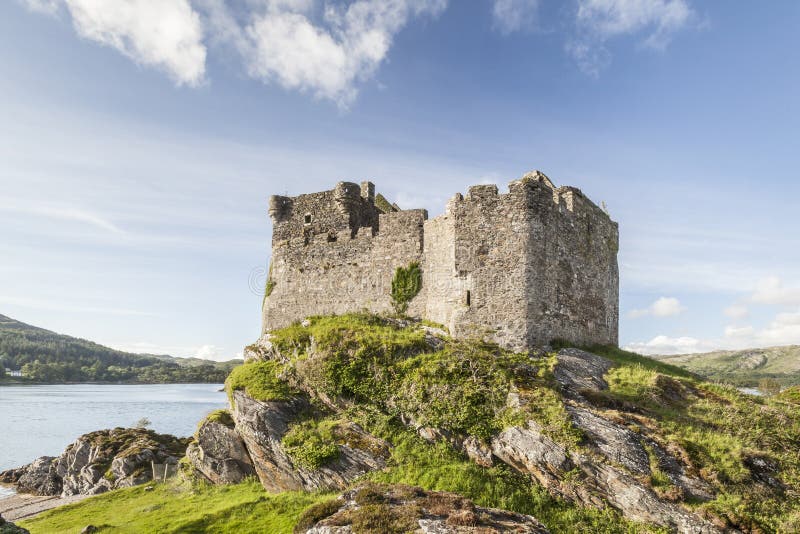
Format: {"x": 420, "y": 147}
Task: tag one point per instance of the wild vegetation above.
{"x": 388, "y": 376}
{"x": 406, "y": 284}
{"x": 47, "y": 357}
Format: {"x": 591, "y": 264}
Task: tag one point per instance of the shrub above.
{"x": 406, "y": 284}
{"x": 311, "y": 443}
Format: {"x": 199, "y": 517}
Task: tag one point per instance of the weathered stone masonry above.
{"x": 522, "y": 268}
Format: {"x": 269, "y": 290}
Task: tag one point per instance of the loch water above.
{"x": 42, "y": 420}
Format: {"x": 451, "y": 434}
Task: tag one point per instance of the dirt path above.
{"x": 22, "y": 506}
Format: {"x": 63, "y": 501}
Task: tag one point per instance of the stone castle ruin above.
{"x": 523, "y": 268}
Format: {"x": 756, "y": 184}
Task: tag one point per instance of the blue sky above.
{"x": 140, "y": 141}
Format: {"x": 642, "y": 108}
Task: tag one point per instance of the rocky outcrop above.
{"x": 614, "y": 463}
{"x": 398, "y": 508}
{"x": 219, "y": 455}
{"x": 580, "y": 477}
{"x": 261, "y": 425}
{"x": 579, "y": 371}
{"x": 98, "y": 462}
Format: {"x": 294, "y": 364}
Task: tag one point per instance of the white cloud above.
{"x": 670, "y": 345}
{"x": 736, "y": 311}
{"x": 771, "y": 290}
{"x": 209, "y": 352}
{"x": 600, "y": 20}
{"x": 739, "y": 331}
{"x": 514, "y": 15}
{"x": 283, "y": 43}
{"x": 204, "y": 352}
{"x": 662, "y": 307}
{"x": 164, "y": 34}
{"x": 327, "y": 49}
{"x": 784, "y": 329}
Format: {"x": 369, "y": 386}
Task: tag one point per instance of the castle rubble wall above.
{"x": 318, "y": 275}
{"x": 490, "y": 239}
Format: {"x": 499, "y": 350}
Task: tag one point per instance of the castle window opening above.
{"x": 307, "y": 218}
{"x": 468, "y": 298}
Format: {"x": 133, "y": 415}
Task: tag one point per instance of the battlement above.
{"x": 523, "y": 267}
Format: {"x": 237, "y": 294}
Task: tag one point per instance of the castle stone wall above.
{"x": 522, "y": 268}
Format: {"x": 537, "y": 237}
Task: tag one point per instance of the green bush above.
{"x": 311, "y": 443}
{"x": 260, "y": 381}
{"x": 406, "y": 284}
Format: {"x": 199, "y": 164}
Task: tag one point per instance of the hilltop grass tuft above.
{"x": 260, "y": 381}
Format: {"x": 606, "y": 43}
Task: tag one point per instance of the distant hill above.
{"x": 743, "y": 367}
{"x": 47, "y": 357}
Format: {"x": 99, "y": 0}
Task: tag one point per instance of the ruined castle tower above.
{"x": 523, "y": 268}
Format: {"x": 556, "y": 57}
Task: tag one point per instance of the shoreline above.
{"x": 24, "y": 506}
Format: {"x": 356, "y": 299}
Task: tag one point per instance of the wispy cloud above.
{"x": 55, "y": 305}
{"x": 515, "y": 15}
{"x": 598, "y": 21}
{"x": 155, "y": 33}
{"x": 63, "y": 213}
{"x": 662, "y": 307}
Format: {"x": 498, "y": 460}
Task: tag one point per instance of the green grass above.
{"x": 260, "y": 381}
{"x": 222, "y": 417}
{"x": 171, "y": 508}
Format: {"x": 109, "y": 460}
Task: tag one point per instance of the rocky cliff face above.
{"x": 98, "y": 462}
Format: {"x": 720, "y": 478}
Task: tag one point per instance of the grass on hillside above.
{"x": 374, "y": 370}
{"x": 173, "y": 508}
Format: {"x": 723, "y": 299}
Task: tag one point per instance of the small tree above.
{"x": 406, "y": 284}
{"x": 144, "y": 422}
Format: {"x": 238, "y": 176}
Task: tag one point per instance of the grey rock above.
{"x": 261, "y": 425}
{"x": 617, "y": 443}
{"x": 40, "y": 477}
{"x": 578, "y": 370}
{"x": 98, "y": 462}
{"x": 478, "y": 452}
{"x": 219, "y": 454}
{"x": 528, "y": 450}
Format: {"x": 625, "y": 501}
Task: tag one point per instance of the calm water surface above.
{"x": 42, "y": 420}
